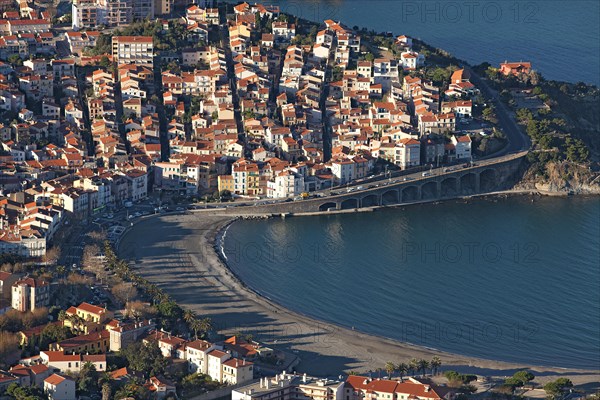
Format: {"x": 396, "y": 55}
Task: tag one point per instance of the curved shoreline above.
{"x": 220, "y": 251}
{"x": 324, "y": 348}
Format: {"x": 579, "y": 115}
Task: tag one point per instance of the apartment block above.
{"x": 133, "y": 50}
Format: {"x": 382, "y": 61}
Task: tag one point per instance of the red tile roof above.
{"x": 55, "y": 379}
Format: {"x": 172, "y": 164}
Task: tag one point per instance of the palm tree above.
{"x": 413, "y": 366}
{"x": 195, "y": 326}
{"x": 402, "y": 368}
{"x": 189, "y": 316}
{"x": 105, "y": 378}
{"x": 77, "y": 323}
{"x": 435, "y": 363}
{"x": 390, "y": 368}
{"x": 60, "y": 270}
{"x": 423, "y": 365}
{"x": 106, "y": 391}
{"x": 206, "y": 325}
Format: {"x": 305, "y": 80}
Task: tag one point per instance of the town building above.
{"x": 60, "y": 387}
{"x": 137, "y": 50}
{"x": 29, "y": 294}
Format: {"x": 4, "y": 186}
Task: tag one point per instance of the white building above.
{"x": 133, "y": 50}
{"x": 196, "y": 354}
{"x": 72, "y": 362}
{"x": 463, "y": 147}
{"x": 285, "y": 184}
{"x": 137, "y": 184}
{"x": 29, "y": 294}
{"x": 236, "y": 371}
{"x": 385, "y": 71}
{"x": 290, "y": 387}
{"x": 283, "y": 32}
{"x": 59, "y": 387}
{"x": 461, "y": 108}
{"x": 214, "y": 364}
{"x": 321, "y": 51}
{"x": 408, "y": 153}
{"x": 411, "y": 60}
{"x": 343, "y": 170}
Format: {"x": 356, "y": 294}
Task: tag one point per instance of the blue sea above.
{"x": 560, "y": 38}
{"x": 503, "y": 279}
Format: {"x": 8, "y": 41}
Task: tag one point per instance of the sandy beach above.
{"x": 176, "y": 252}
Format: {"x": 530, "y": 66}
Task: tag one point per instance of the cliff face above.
{"x": 561, "y": 178}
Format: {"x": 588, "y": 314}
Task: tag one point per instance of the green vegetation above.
{"x": 550, "y": 135}
{"x": 145, "y": 358}
{"x": 567, "y": 119}
{"x": 556, "y": 389}
{"x": 440, "y": 76}
{"x": 337, "y": 74}
{"x": 25, "y": 392}
{"x": 134, "y": 390}
{"x": 562, "y": 120}
{"x": 15, "y": 60}
{"x": 412, "y": 367}
{"x": 87, "y": 381}
{"x": 489, "y": 114}
{"x": 455, "y": 379}
{"x": 519, "y": 379}
{"x": 196, "y": 383}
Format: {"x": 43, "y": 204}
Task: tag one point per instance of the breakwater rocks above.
{"x": 251, "y": 217}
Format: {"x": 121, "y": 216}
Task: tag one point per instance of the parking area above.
{"x": 473, "y": 127}
{"x": 114, "y": 233}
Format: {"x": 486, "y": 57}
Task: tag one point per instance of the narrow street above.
{"x": 80, "y": 76}
{"x": 326, "y": 126}
{"x": 160, "y": 110}
{"x": 119, "y": 115}
{"x": 224, "y": 34}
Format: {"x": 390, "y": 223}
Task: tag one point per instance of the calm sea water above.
{"x": 560, "y": 38}
{"x": 507, "y": 279}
